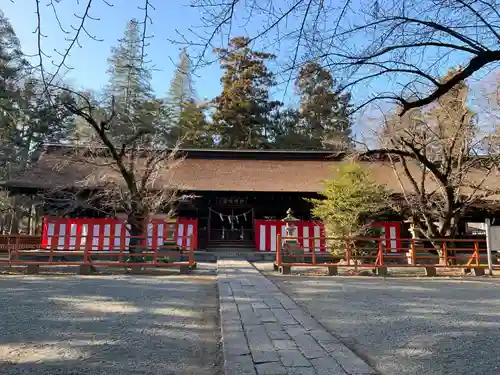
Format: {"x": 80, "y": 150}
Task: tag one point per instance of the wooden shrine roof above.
{"x": 209, "y": 170}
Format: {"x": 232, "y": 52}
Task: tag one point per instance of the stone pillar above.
{"x": 332, "y": 271}
{"x": 32, "y": 269}
{"x": 85, "y": 269}
{"x": 285, "y": 270}
{"x": 430, "y": 271}
{"x": 478, "y": 271}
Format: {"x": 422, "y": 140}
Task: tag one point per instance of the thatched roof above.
{"x": 211, "y": 170}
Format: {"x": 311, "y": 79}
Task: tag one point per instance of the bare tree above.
{"x": 133, "y": 176}
{"x": 488, "y": 106}
{"x": 406, "y": 42}
{"x": 410, "y": 42}
{"x": 439, "y": 160}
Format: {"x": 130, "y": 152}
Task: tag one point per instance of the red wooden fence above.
{"x": 110, "y": 234}
{"x": 311, "y": 235}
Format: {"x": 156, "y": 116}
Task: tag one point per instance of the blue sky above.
{"x": 89, "y": 63}
{"x": 171, "y": 19}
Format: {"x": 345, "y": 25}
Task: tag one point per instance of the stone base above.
{"x": 136, "y": 269}
{"x": 184, "y": 270}
{"x": 332, "y": 271}
{"x": 285, "y": 270}
{"x": 32, "y": 269}
{"x": 85, "y": 269}
{"x": 365, "y": 273}
{"x": 381, "y": 271}
{"x": 477, "y": 271}
{"x": 275, "y": 267}
{"x": 430, "y": 271}
{"x": 433, "y": 259}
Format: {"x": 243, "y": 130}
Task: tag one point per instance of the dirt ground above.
{"x": 109, "y": 324}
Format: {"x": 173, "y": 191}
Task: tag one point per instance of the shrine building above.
{"x": 239, "y": 196}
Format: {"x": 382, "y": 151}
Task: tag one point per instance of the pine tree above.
{"x": 243, "y": 110}
{"x": 323, "y": 111}
{"x": 83, "y": 134}
{"x": 27, "y": 119}
{"x": 351, "y": 202}
{"x": 11, "y": 66}
{"x": 193, "y": 126}
{"x": 181, "y": 90}
{"x": 129, "y": 82}
{"x": 286, "y": 131}
{"x": 187, "y": 116}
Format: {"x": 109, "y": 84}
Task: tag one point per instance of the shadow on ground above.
{"x": 108, "y": 325}
{"x": 408, "y": 326}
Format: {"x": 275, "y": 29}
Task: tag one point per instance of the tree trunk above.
{"x": 136, "y": 234}
{"x": 137, "y": 219}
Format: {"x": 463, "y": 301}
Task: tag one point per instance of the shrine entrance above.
{"x": 231, "y": 220}
{"x": 231, "y": 224}
{"x": 227, "y": 220}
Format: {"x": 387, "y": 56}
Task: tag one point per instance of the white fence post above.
{"x": 489, "y": 247}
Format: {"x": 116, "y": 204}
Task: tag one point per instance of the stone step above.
{"x": 236, "y": 245}
{"x": 252, "y": 255}
{"x": 231, "y": 249}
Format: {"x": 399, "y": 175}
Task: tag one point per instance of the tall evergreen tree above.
{"x": 323, "y": 111}
{"x": 188, "y": 120}
{"x": 287, "y": 131}
{"x": 243, "y": 109}
{"x": 194, "y": 127}
{"x": 129, "y": 82}
{"x": 181, "y": 90}
{"x": 11, "y": 66}
{"x": 83, "y": 134}
{"x": 27, "y": 119}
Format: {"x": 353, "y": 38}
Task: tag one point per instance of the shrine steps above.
{"x": 216, "y": 245}
{"x": 251, "y": 256}
{"x": 232, "y": 249}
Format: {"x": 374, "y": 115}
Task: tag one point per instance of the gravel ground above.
{"x": 408, "y": 326}
{"x": 119, "y": 324}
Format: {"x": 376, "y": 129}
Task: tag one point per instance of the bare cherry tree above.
{"x": 364, "y": 42}
{"x": 132, "y": 175}
{"x": 439, "y": 160}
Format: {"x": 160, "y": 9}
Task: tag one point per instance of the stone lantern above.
{"x": 291, "y": 229}
{"x": 291, "y": 250}
{"x": 170, "y": 242}
{"x": 171, "y": 230}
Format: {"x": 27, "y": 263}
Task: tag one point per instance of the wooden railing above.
{"x": 27, "y": 250}
{"x": 375, "y": 253}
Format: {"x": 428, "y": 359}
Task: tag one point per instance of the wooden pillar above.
{"x": 209, "y": 224}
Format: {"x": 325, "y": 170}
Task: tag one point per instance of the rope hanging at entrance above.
{"x": 232, "y": 218}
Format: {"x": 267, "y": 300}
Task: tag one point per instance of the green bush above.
{"x": 351, "y": 202}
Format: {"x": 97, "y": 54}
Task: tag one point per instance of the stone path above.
{"x": 266, "y": 332}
